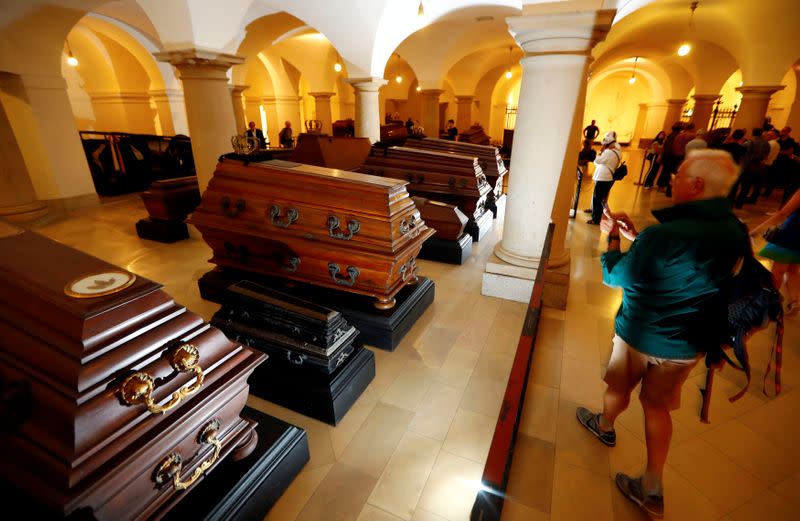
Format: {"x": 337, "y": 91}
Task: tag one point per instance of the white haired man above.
{"x": 673, "y": 277}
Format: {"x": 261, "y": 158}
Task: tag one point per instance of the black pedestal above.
{"x": 326, "y": 397}
{"x": 451, "y": 252}
{"x": 162, "y": 231}
{"x": 478, "y": 229}
{"x": 246, "y": 489}
{"x": 380, "y": 328}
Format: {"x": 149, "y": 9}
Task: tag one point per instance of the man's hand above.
{"x": 619, "y": 221}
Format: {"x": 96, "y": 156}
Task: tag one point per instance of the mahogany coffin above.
{"x": 488, "y": 157}
{"x": 109, "y": 376}
{"x": 394, "y": 132}
{"x": 475, "y": 134}
{"x": 446, "y": 219}
{"x": 449, "y": 178}
{"x": 345, "y": 153}
{"x": 332, "y": 228}
{"x": 172, "y": 199}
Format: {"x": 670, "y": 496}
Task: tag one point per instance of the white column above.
{"x": 464, "y": 112}
{"x": 368, "y": 114}
{"x": 429, "y": 99}
{"x": 674, "y": 110}
{"x": 208, "y": 104}
{"x": 557, "y": 48}
{"x": 238, "y": 107}
{"x": 322, "y": 103}
{"x": 753, "y": 107}
{"x": 641, "y": 121}
{"x": 51, "y": 147}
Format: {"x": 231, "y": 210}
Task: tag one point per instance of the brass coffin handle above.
{"x": 292, "y": 263}
{"x": 353, "y": 227}
{"x": 170, "y": 467}
{"x": 291, "y": 216}
{"x": 407, "y": 226}
{"x": 225, "y": 204}
{"x": 138, "y": 387}
{"x": 352, "y": 273}
{"x": 408, "y": 271}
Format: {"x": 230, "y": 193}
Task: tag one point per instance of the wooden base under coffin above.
{"x": 477, "y": 229}
{"x": 326, "y": 397}
{"x": 380, "y": 328}
{"x": 162, "y": 231}
{"x": 235, "y": 490}
{"x": 451, "y": 252}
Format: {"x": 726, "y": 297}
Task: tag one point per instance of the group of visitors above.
{"x": 284, "y": 136}
{"x": 675, "y": 275}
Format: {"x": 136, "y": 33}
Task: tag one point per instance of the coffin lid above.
{"x": 34, "y": 272}
{"x": 319, "y": 174}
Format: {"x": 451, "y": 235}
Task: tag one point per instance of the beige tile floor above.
{"x": 413, "y": 446}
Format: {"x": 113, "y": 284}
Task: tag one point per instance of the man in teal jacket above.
{"x": 672, "y": 308}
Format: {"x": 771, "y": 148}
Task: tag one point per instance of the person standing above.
{"x": 590, "y": 133}
{"x": 670, "y": 160}
{"x": 285, "y": 135}
{"x": 256, "y": 134}
{"x": 605, "y": 165}
{"x": 751, "y": 178}
{"x": 451, "y": 130}
{"x": 673, "y": 308}
{"x": 654, "y": 153}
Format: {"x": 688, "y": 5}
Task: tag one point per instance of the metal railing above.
{"x": 122, "y": 163}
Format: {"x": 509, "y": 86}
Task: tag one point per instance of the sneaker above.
{"x": 592, "y": 221}
{"x": 632, "y": 488}
{"x": 591, "y": 421}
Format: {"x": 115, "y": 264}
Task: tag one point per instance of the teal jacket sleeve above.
{"x": 620, "y": 270}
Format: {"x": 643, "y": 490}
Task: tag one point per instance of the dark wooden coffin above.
{"x": 446, "y": 219}
{"x": 293, "y": 331}
{"x": 344, "y": 127}
{"x": 117, "y": 392}
{"x": 344, "y": 153}
{"x": 332, "y": 228}
{"x": 488, "y": 157}
{"x": 474, "y": 134}
{"x": 449, "y": 178}
{"x": 172, "y": 199}
{"x": 394, "y": 132}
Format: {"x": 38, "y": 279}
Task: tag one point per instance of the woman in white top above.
{"x": 605, "y": 164}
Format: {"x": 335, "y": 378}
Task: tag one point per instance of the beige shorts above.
{"x": 661, "y": 378}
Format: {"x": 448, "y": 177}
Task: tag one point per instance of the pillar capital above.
{"x": 705, "y": 98}
{"x": 464, "y": 98}
{"x": 200, "y": 64}
{"x": 367, "y": 84}
{"x": 759, "y": 91}
{"x": 236, "y": 90}
{"x": 431, "y": 92}
{"x": 161, "y": 94}
{"x": 280, "y": 99}
{"x": 322, "y": 95}
{"x": 676, "y": 101}
{"x": 561, "y": 33}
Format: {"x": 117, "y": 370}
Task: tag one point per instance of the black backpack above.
{"x": 621, "y": 171}
{"x": 753, "y": 302}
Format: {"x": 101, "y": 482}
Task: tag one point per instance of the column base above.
{"x": 511, "y": 282}
{"x": 24, "y": 212}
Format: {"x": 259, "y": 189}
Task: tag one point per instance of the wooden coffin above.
{"x": 446, "y": 219}
{"x": 394, "y": 132}
{"x": 109, "y": 379}
{"x": 474, "y": 134}
{"x": 488, "y": 157}
{"x": 449, "y": 178}
{"x": 344, "y": 153}
{"x": 344, "y": 127}
{"x": 172, "y": 199}
{"x": 333, "y": 228}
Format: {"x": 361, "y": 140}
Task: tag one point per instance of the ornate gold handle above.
{"x": 138, "y": 387}
{"x": 170, "y": 467}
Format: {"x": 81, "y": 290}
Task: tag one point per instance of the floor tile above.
{"x": 452, "y": 487}
{"x": 513, "y": 511}
{"x": 435, "y": 415}
{"x": 530, "y": 481}
{"x": 410, "y": 387}
{"x": 340, "y": 496}
{"x": 297, "y": 495}
{"x": 540, "y": 412}
{"x": 400, "y": 486}
{"x": 470, "y": 435}
{"x": 577, "y": 446}
{"x": 766, "y": 505}
{"x": 371, "y": 513}
{"x": 376, "y": 440}
{"x": 580, "y": 494}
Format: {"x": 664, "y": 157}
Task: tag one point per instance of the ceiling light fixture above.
{"x": 420, "y": 10}
{"x": 632, "y": 79}
{"x": 509, "y": 74}
{"x": 72, "y": 61}
{"x": 338, "y": 65}
{"x": 685, "y": 48}
{"x": 398, "y": 79}
{"x": 419, "y": 88}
